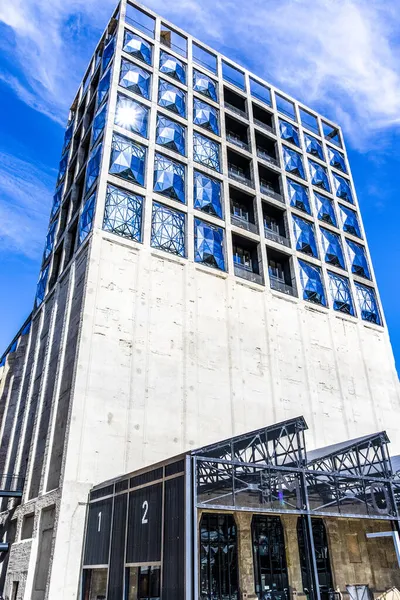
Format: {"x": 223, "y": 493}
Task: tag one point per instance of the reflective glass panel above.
{"x": 203, "y": 57}
{"x": 339, "y": 289}
{"x": 205, "y": 116}
{"x": 204, "y": 85}
{"x": 135, "y": 79}
{"x": 319, "y": 176}
{"x": 207, "y": 194}
{"x": 209, "y": 244}
{"x": 138, "y": 47}
{"x": 86, "y": 219}
{"x": 313, "y": 146}
{"x": 349, "y": 221}
{"x": 233, "y": 75}
{"x": 293, "y": 162}
{"x": 169, "y": 177}
{"x": 342, "y": 188}
{"x": 298, "y": 196}
{"x": 93, "y": 167}
{"x": 206, "y": 151}
{"x": 368, "y": 304}
{"x": 336, "y": 159}
{"x": 123, "y": 213}
{"x": 170, "y": 134}
{"x": 172, "y": 66}
{"x": 174, "y": 40}
{"x": 358, "y": 259}
{"x": 332, "y": 248}
{"x": 168, "y": 229}
{"x": 127, "y": 159}
{"x": 140, "y": 20}
{"x": 325, "y": 209}
{"x": 131, "y": 115}
{"x": 289, "y": 132}
{"x": 304, "y": 234}
{"x": 311, "y": 283}
{"x": 104, "y": 86}
{"x": 171, "y": 97}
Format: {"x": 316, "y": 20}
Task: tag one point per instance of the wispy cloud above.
{"x": 25, "y": 197}
{"x": 338, "y": 55}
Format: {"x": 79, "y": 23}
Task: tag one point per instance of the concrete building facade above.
{"x": 205, "y": 272}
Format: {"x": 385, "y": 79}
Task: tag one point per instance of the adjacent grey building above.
{"x": 205, "y": 273}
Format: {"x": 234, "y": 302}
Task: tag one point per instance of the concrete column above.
{"x": 245, "y": 555}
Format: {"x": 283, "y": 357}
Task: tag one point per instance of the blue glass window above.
{"x": 168, "y": 229}
{"x": 86, "y": 219}
{"x": 204, "y": 85}
{"x": 313, "y": 146}
{"x": 123, "y": 213}
{"x": 285, "y": 106}
{"x": 140, "y": 19}
{"x": 339, "y": 289}
{"x": 304, "y": 235}
{"x": 104, "y": 86}
{"x": 131, "y": 115}
{"x": 318, "y": 176}
{"x": 171, "y": 97}
{"x": 209, "y": 244}
{"x": 205, "y": 116}
{"x": 68, "y": 136}
{"x": 260, "y": 91}
{"x": 298, "y": 196}
{"x": 170, "y": 134}
{"x": 336, "y": 159}
{"x": 98, "y": 123}
{"x": 331, "y": 134}
{"x": 309, "y": 121}
{"x": 57, "y": 200}
{"x": 169, "y": 178}
{"x": 325, "y": 210}
{"x": 51, "y": 234}
{"x": 358, "y": 260}
{"x": 311, "y": 283}
{"x": 206, "y": 151}
{"x": 108, "y": 53}
{"x": 332, "y": 248}
{"x": 349, "y": 220}
{"x": 207, "y": 194}
{"x": 289, "y": 132}
{"x": 135, "y": 79}
{"x": 127, "y": 159}
{"x": 93, "y": 167}
{"x": 172, "y": 66}
{"x": 63, "y": 166}
{"x": 137, "y": 47}
{"x": 41, "y": 286}
{"x": 342, "y": 188}
{"x": 27, "y": 328}
{"x": 293, "y": 162}
{"x": 368, "y": 304}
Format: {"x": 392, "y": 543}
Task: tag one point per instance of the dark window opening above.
{"x": 27, "y": 527}
{"x": 239, "y": 167}
{"x": 57, "y": 265}
{"x": 242, "y": 210}
{"x": 94, "y": 83}
{"x": 174, "y": 40}
{"x": 95, "y": 584}
{"x": 275, "y": 227}
{"x": 71, "y": 241}
{"x": 71, "y": 173}
{"x": 237, "y": 132}
{"x": 269, "y": 183}
{"x": 142, "y": 583}
{"x": 270, "y": 568}
{"x": 263, "y": 118}
{"x": 83, "y": 152}
{"x": 280, "y": 272}
{"x": 76, "y": 140}
{"x": 64, "y": 215}
{"x": 81, "y": 111}
{"x": 235, "y": 102}
{"x": 321, "y": 555}
{"x": 90, "y": 114}
{"x": 218, "y": 557}
{"x": 266, "y": 149}
{"x": 77, "y": 194}
{"x": 246, "y": 258}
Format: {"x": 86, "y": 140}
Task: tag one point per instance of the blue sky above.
{"x": 338, "y": 56}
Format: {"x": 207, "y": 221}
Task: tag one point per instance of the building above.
{"x": 205, "y": 272}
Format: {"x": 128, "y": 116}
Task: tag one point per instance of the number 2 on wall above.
{"x": 145, "y": 507}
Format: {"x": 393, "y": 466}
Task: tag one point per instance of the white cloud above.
{"x": 25, "y": 198}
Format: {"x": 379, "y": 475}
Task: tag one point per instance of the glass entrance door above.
{"x": 270, "y": 567}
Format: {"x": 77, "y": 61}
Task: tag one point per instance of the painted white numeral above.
{"x": 99, "y": 521}
{"x": 145, "y": 507}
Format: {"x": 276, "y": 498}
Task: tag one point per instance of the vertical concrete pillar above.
{"x": 289, "y": 523}
{"x": 245, "y": 555}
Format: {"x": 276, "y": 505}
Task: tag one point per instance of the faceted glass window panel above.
{"x": 168, "y": 229}
{"x": 332, "y": 134}
{"x": 336, "y": 159}
{"x": 127, "y": 159}
{"x": 311, "y": 283}
{"x": 342, "y": 188}
{"x": 260, "y": 91}
{"x": 86, "y": 219}
{"x": 285, "y": 106}
{"x": 170, "y": 134}
{"x": 51, "y": 234}
{"x": 318, "y": 175}
{"x": 332, "y": 248}
{"x": 358, "y": 260}
{"x": 349, "y": 221}
{"x": 93, "y": 167}
{"x": 289, "y": 132}
{"x": 203, "y": 57}
{"x": 57, "y": 200}
{"x": 207, "y": 194}
{"x": 140, "y": 20}
{"x": 298, "y": 196}
{"x": 108, "y": 53}
{"x": 205, "y": 116}
{"x": 172, "y": 66}
{"x": 41, "y": 286}
{"x": 63, "y": 167}
{"x": 135, "y": 79}
{"x": 325, "y": 210}
{"x": 309, "y": 121}
{"x": 313, "y": 146}
{"x": 138, "y": 47}
{"x": 368, "y": 304}
{"x": 339, "y": 289}
{"x": 304, "y": 234}
{"x": 171, "y": 97}
{"x": 233, "y": 75}
{"x": 174, "y": 40}
{"x": 169, "y": 178}
{"x": 104, "y": 86}
{"x": 206, "y": 151}
{"x": 98, "y": 124}
{"x": 123, "y": 213}
{"x": 204, "y": 85}
{"x": 209, "y": 244}
{"x": 131, "y": 115}
{"x": 293, "y": 162}
{"x": 68, "y": 136}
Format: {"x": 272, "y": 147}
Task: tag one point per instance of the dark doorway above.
{"x": 270, "y": 567}
{"x": 321, "y": 556}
